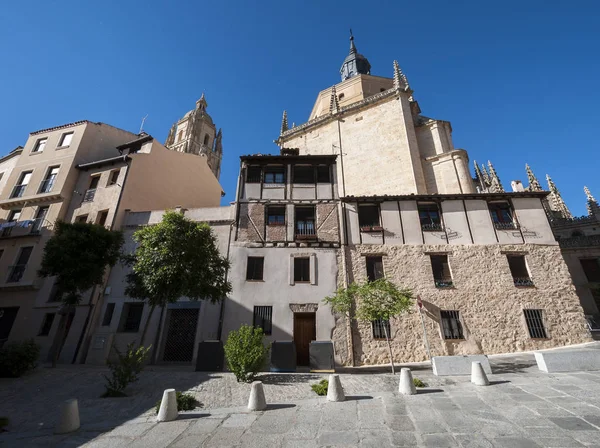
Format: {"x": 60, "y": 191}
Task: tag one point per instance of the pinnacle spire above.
{"x": 534, "y": 185}
{"x": 352, "y": 46}
{"x": 557, "y": 205}
{"x": 496, "y": 185}
{"x": 201, "y": 103}
{"x": 400, "y": 80}
{"x": 592, "y": 205}
{"x": 334, "y": 105}
{"x": 355, "y": 63}
{"x": 284, "y": 122}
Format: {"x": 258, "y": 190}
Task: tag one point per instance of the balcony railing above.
{"x": 523, "y": 281}
{"x": 431, "y": 227}
{"x": 371, "y": 228}
{"x": 580, "y": 241}
{"x": 18, "y": 191}
{"x": 16, "y": 273}
{"x": 89, "y": 195}
{"x": 22, "y": 228}
{"x": 505, "y": 225}
{"x": 306, "y": 229}
{"x": 443, "y": 283}
{"x": 47, "y": 185}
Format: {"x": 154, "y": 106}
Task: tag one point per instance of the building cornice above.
{"x": 99, "y": 163}
{"x": 447, "y": 197}
{"x": 266, "y": 158}
{"x": 62, "y": 126}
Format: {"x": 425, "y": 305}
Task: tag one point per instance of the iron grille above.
{"x": 505, "y": 225}
{"x": 535, "y": 324}
{"x": 47, "y": 185}
{"x": 89, "y": 195}
{"x": 523, "y": 281}
{"x": 380, "y": 327}
{"x": 431, "y": 227}
{"x": 263, "y": 318}
{"x": 18, "y": 191}
{"x": 451, "y": 325}
{"x": 181, "y": 335}
{"x": 305, "y": 228}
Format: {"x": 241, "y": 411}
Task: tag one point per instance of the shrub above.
{"x": 3, "y": 422}
{"x": 418, "y": 383}
{"x": 321, "y": 387}
{"x": 125, "y": 370}
{"x": 185, "y": 402}
{"x": 245, "y": 352}
{"x": 16, "y": 358}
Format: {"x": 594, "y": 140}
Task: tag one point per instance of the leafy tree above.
{"x": 380, "y": 299}
{"x": 176, "y": 258}
{"x": 246, "y": 353}
{"x": 77, "y": 255}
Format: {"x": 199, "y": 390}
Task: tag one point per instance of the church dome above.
{"x": 355, "y": 63}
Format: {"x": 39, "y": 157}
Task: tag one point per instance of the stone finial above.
{"x": 478, "y": 174}
{"x": 334, "y": 105}
{"x": 495, "y": 184}
{"x": 534, "y": 185}
{"x": 284, "y": 122}
{"x": 201, "y": 103}
{"x": 400, "y": 80}
{"x": 592, "y": 205}
{"x": 555, "y": 201}
{"x": 484, "y": 173}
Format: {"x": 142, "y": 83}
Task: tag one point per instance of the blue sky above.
{"x": 517, "y": 80}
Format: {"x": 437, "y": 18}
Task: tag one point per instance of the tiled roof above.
{"x": 62, "y": 126}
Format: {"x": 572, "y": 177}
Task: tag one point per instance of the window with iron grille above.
{"x": 19, "y": 189}
{"x": 274, "y": 175}
{"x": 429, "y": 215}
{"x": 131, "y": 317}
{"x": 323, "y": 174}
{"x": 518, "y": 269}
{"x": 47, "y": 324}
{"x": 368, "y": 217}
{"x": 374, "y": 268}
{"x": 502, "y": 215}
{"x": 451, "y": 325}
{"x": 304, "y": 174}
{"x": 275, "y": 215}
{"x": 305, "y": 222}
{"x": 380, "y": 327}
{"x": 535, "y": 324}
{"x": 48, "y": 182}
{"x": 254, "y": 269}
{"x": 301, "y": 269}
{"x": 442, "y": 276}
{"x": 108, "y": 314}
{"x": 253, "y": 174}
{"x": 263, "y": 318}
{"x": 591, "y": 267}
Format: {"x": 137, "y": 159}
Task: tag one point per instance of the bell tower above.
{"x": 197, "y": 134}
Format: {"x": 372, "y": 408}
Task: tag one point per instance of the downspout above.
{"x": 91, "y": 308}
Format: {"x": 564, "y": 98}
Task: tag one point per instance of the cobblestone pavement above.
{"x": 522, "y": 408}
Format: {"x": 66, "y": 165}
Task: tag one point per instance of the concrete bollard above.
{"x": 257, "y": 401}
{"x": 478, "y": 376}
{"x": 168, "y": 407}
{"x": 407, "y": 386}
{"x": 335, "y": 392}
{"x": 68, "y": 419}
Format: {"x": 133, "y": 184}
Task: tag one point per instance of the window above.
{"x": 441, "y": 271}
{"x": 263, "y": 318}
{"x": 40, "y": 219}
{"x": 381, "y": 327}
{"x": 374, "y": 268}
{"x": 13, "y": 216}
{"x": 48, "y": 182}
{"x": 101, "y": 217}
{"x": 65, "y": 140}
{"x": 591, "y": 267}
{"x": 254, "y": 269}
{"x": 305, "y": 222}
{"x": 40, "y": 144}
{"x": 253, "y": 174}
{"x": 535, "y": 324}
{"x": 21, "y": 185}
{"x": 108, "y": 314}
{"x": 17, "y": 271}
{"x": 368, "y": 218}
{"x": 206, "y": 137}
{"x": 451, "y": 325}
{"x": 518, "y": 269}
{"x": 180, "y": 136}
{"x": 301, "y": 269}
{"x": 323, "y": 174}
{"x": 131, "y": 317}
{"x": 81, "y": 218}
{"x": 502, "y": 215}
{"x": 91, "y": 191}
{"x": 274, "y": 175}
{"x": 429, "y": 215}
{"x": 113, "y": 177}
{"x": 304, "y": 174}
{"x": 46, "y": 324}
{"x": 275, "y": 216}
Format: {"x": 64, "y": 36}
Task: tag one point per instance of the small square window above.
{"x": 535, "y": 324}
{"x": 40, "y": 144}
{"x": 253, "y": 174}
{"x": 275, "y": 216}
{"x": 323, "y": 174}
{"x": 274, "y": 175}
{"x": 502, "y": 215}
{"x": 108, "y": 314}
{"x": 374, "y": 268}
{"x": 47, "y": 324}
{"x": 301, "y": 269}
{"x": 368, "y": 217}
{"x": 518, "y": 270}
{"x": 441, "y": 271}
{"x": 451, "y": 325}
{"x": 255, "y": 267}
{"x": 380, "y": 328}
{"x": 101, "y": 217}
{"x": 304, "y": 174}
{"x": 65, "y": 140}
{"x": 113, "y": 177}
{"x": 263, "y": 318}
{"x": 81, "y": 218}
{"x": 429, "y": 215}
{"x": 131, "y": 317}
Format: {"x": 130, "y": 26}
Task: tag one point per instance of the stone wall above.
{"x": 490, "y": 306}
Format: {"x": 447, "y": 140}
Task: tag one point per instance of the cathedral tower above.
{"x": 196, "y": 133}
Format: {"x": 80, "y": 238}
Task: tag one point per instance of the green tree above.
{"x": 176, "y": 258}
{"x": 370, "y": 301}
{"x": 77, "y": 255}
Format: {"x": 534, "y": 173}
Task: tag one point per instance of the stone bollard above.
{"x": 257, "y": 401}
{"x": 407, "y": 386}
{"x": 168, "y": 406}
{"x": 335, "y": 392}
{"x": 68, "y": 419}
{"x": 478, "y": 376}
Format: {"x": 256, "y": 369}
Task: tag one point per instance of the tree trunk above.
{"x": 387, "y": 339}
{"x": 146, "y": 325}
{"x": 58, "y": 337}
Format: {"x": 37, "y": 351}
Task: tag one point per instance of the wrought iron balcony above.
{"x": 305, "y": 230}
{"x": 18, "y": 191}
{"x": 443, "y": 283}
{"x": 88, "y": 196}
{"x": 580, "y": 241}
{"x": 47, "y": 185}
{"x": 371, "y": 228}
{"x": 23, "y": 228}
{"x": 523, "y": 281}
{"x": 16, "y": 273}
{"x": 505, "y": 225}
{"x": 432, "y": 227}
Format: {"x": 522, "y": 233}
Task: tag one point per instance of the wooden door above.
{"x": 305, "y": 331}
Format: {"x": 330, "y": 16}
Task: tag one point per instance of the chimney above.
{"x": 517, "y": 186}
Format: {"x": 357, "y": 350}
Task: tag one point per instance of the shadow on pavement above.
{"x": 511, "y": 366}
{"x": 191, "y": 415}
{"x": 494, "y": 383}
{"x": 274, "y": 407}
{"x": 428, "y": 391}
{"x": 283, "y": 379}
{"x": 358, "y": 397}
